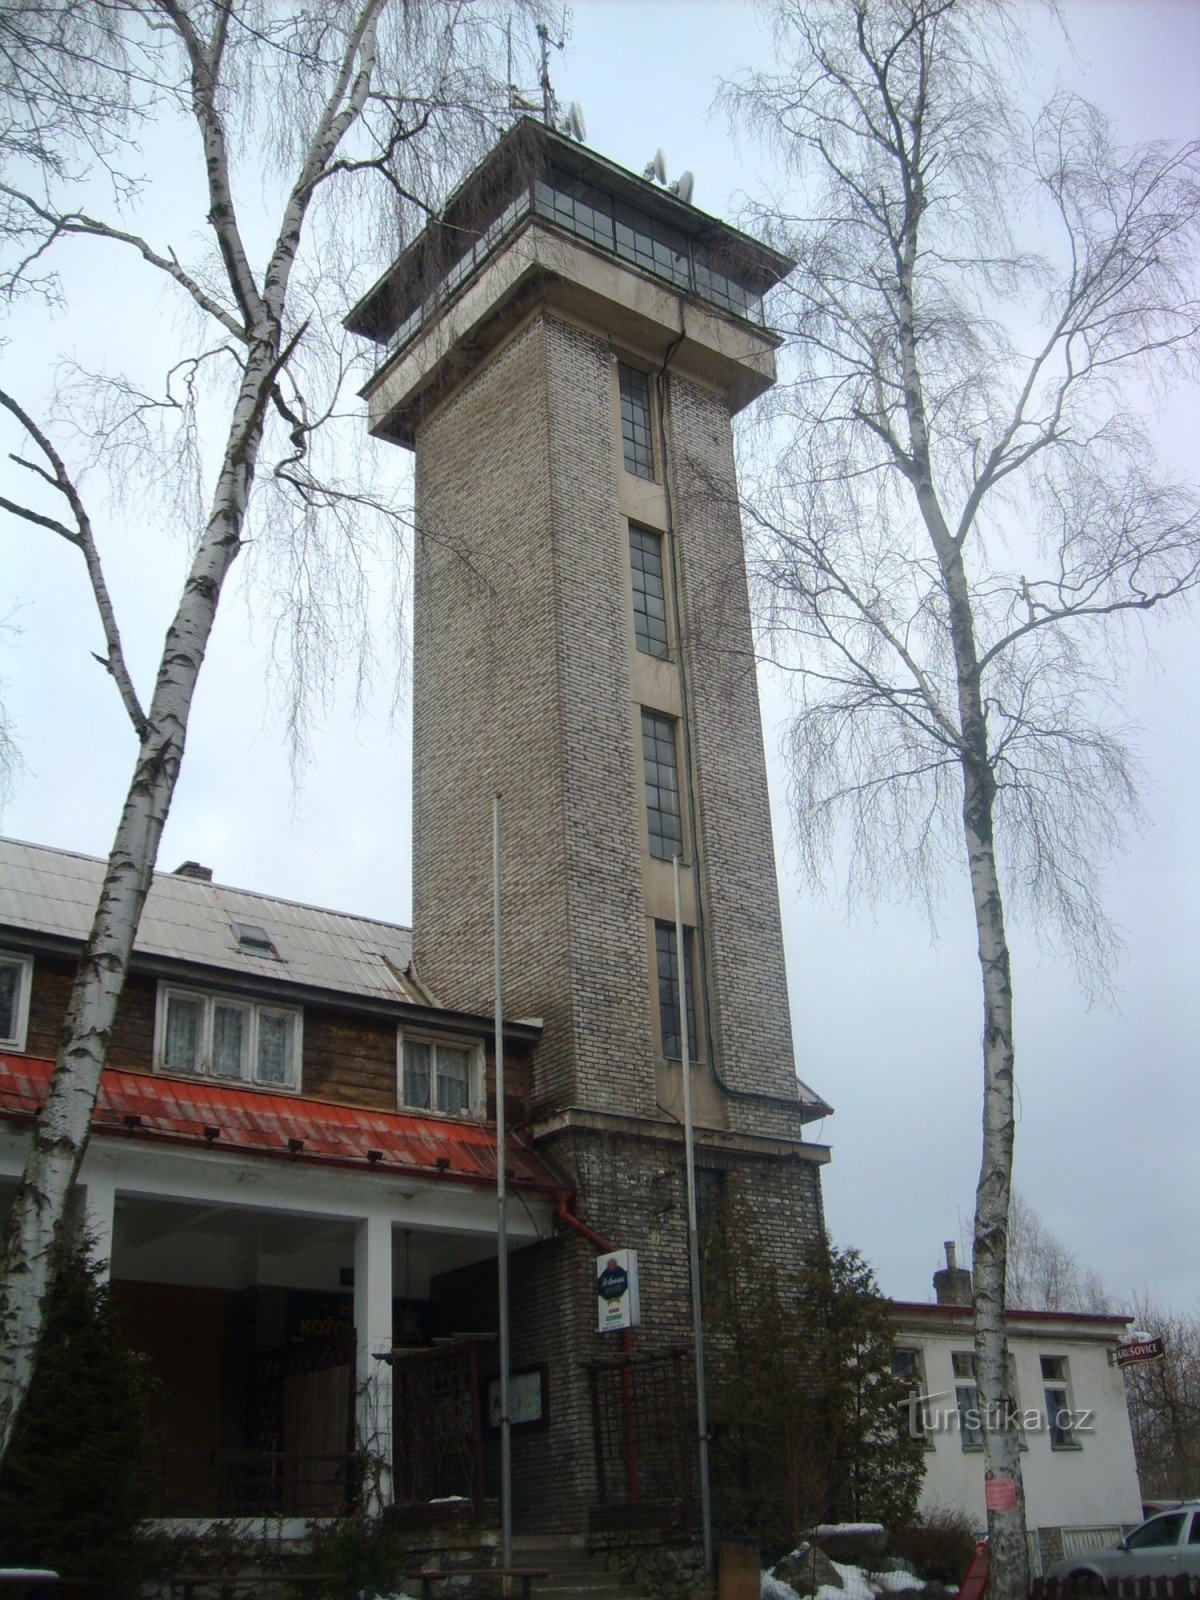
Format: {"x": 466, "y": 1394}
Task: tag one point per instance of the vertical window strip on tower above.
{"x": 636, "y": 441}
{"x": 649, "y": 591}
{"x": 668, "y": 991}
{"x": 661, "y": 769}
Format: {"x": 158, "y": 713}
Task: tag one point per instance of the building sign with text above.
{"x": 617, "y": 1301}
{"x": 1139, "y": 1350}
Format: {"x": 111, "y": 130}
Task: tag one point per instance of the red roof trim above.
{"x": 926, "y": 1308}
{"x": 140, "y": 1105}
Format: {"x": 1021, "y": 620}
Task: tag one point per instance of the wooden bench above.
{"x": 506, "y": 1576}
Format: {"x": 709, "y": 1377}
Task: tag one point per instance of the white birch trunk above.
{"x": 1008, "y": 1549}
{"x": 61, "y": 1131}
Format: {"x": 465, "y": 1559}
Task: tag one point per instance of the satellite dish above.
{"x": 684, "y": 187}
{"x": 575, "y": 122}
{"x": 659, "y": 166}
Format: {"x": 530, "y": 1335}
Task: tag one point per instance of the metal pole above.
{"x": 693, "y": 1236}
{"x": 543, "y": 34}
{"x": 501, "y": 1213}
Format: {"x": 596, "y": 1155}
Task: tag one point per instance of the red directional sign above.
{"x": 1139, "y": 1350}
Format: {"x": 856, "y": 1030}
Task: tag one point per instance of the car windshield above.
{"x": 1153, "y": 1535}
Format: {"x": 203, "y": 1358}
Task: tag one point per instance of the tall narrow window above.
{"x": 275, "y": 1046}
{"x": 636, "y": 441}
{"x": 230, "y": 1039}
{"x": 1060, "y": 1415}
{"x": 966, "y": 1397}
{"x": 662, "y": 785}
{"x": 668, "y": 991}
{"x": 649, "y": 591}
{"x": 417, "y": 1056}
{"x": 182, "y": 1035}
{"x": 907, "y": 1364}
{"x": 453, "y": 1081}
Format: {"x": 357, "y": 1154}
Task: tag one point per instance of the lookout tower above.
{"x": 564, "y": 348}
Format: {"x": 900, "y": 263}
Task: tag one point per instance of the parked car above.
{"x": 1165, "y": 1547}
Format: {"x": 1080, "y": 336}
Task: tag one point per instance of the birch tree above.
{"x": 354, "y": 114}
{"x": 965, "y": 525}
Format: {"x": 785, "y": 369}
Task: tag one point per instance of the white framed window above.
{"x": 1060, "y": 1407}
{"x": 219, "y": 1036}
{"x": 16, "y": 975}
{"x": 966, "y": 1399}
{"x": 441, "y": 1076}
{"x": 909, "y": 1363}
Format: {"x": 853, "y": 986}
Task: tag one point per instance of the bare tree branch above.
{"x": 947, "y": 705}
{"x": 81, "y": 536}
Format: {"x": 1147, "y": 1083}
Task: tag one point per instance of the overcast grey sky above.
{"x": 886, "y": 1020}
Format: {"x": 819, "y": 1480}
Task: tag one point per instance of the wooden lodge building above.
{"x": 293, "y": 1161}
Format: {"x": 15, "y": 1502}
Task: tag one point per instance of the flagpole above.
{"x": 501, "y": 1212}
{"x": 693, "y": 1235}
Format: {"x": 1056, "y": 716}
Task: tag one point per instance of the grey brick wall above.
{"x": 521, "y": 684}
{"x": 743, "y": 940}
{"x": 635, "y": 1196}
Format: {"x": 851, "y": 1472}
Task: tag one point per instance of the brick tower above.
{"x": 565, "y": 348}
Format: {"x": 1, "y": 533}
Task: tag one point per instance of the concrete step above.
{"x": 572, "y": 1572}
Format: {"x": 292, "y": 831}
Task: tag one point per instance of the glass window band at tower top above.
{"x": 530, "y": 174}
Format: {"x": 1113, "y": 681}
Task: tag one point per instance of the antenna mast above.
{"x": 545, "y": 44}
{"x": 544, "y": 41}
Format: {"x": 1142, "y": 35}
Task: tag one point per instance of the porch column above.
{"x": 373, "y": 1333}
{"x": 96, "y": 1215}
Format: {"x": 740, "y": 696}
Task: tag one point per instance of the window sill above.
{"x": 475, "y": 1118}
{"x": 210, "y": 1080}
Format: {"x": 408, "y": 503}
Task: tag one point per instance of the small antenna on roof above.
{"x": 572, "y": 124}
{"x": 683, "y": 187}
{"x": 550, "y": 114}
{"x": 656, "y": 172}
{"x": 656, "y": 167}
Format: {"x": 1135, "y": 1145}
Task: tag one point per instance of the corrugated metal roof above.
{"x": 249, "y": 1121}
{"x": 186, "y": 919}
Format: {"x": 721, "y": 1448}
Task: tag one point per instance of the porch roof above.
{"x": 222, "y": 1117}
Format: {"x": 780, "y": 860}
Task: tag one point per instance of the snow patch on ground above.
{"x": 857, "y": 1584}
{"x": 829, "y": 1529}
{"x": 889, "y": 1582}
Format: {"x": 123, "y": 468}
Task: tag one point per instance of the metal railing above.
{"x": 600, "y": 219}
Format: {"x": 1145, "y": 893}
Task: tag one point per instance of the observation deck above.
{"x": 543, "y": 219}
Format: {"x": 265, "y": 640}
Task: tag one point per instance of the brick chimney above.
{"x": 193, "y": 869}
{"x": 952, "y": 1283}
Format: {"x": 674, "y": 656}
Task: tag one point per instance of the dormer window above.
{"x": 440, "y": 1076}
{"x": 218, "y": 1036}
{"x": 255, "y": 941}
